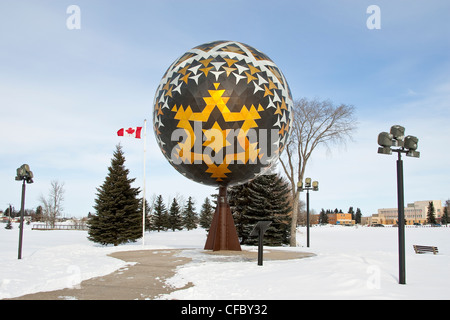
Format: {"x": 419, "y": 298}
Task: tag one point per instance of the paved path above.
{"x": 146, "y": 279}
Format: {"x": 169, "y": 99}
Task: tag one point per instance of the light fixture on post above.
{"x": 385, "y": 141}
{"x": 407, "y": 145}
{"x": 26, "y": 175}
{"x": 411, "y": 144}
{"x": 314, "y": 186}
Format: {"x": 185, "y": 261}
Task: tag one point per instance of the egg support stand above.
{"x": 222, "y": 233}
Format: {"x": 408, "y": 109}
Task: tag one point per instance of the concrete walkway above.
{"x": 146, "y": 279}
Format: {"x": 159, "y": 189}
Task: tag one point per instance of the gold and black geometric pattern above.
{"x": 222, "y": 113}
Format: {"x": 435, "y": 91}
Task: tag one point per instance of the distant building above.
{"x": 415, "y": 213}
{"x": 340, "y": 218}
{"x": 366, "y": 220}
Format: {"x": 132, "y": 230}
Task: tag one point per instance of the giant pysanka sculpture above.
{"x": 222, "y": 115}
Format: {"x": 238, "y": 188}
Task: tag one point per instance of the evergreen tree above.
{"x": 117, "y": 219}
{"x": 206, "y": 214}
{"x": 175, "y": 218}
{"x": 189, "y": 215}
{"x": 358, "y": 216}
{"x": 267, "y": 199}
{"x": 444, "y": 218}
{"x": 39, "y": 213}
{"x": 159, "y": 218}
{"x": 323, "y": 217}
{"x": 350, "y": 210}
{"x": 238, "y": 199}
{"x": 431, "y": 218}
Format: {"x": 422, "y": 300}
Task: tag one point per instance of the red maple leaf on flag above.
{"x": 134, "y": 132}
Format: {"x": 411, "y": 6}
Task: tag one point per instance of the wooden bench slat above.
{"x": 423, "y": 249}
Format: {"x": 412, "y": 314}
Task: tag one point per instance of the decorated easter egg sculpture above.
{"x": 222, "y": 113}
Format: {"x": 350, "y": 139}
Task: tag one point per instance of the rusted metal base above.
{"x": 222, "y": 233}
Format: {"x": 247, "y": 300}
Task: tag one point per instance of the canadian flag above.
{"x": 130, "y": 132}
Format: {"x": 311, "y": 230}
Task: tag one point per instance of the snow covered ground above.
{"x": 350, "y": 263}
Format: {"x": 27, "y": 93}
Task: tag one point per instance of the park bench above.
{"x": 425, "y": 249}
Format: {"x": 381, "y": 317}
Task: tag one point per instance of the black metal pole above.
{"x": 307, "y": 218}
{"x": 401, "y": 221}
{"x": 22, "y": 209}
{"x": 260, "y": 247}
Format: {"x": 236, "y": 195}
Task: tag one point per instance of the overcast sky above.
{"x": 64, "y": 92}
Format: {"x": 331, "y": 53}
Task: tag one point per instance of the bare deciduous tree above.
{"x": 52, "y": 206}
{"x": 315, "y": 122}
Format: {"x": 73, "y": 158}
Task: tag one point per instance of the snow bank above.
{"x": 351, "y": 263}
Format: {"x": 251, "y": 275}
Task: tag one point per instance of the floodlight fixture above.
{"x": 398, "y": 133}
{"x": 24, "y": 173}
{"x": 396, "y": 138}
{"x": 413, "y": 154}
{"x": 411, "y": 143}
{"x": 384, "y": 150}
{"x": 308, "y": 182}
{"x": 385, "y": 139}
{"x": 315, "y": 186}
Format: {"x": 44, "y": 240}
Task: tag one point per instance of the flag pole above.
{"x": 143, "y": 198}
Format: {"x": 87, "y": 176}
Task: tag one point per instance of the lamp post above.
{"x": 308, "y": 186}
{"x": 407, "y": 145}
{"x": 24, "y": 174}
